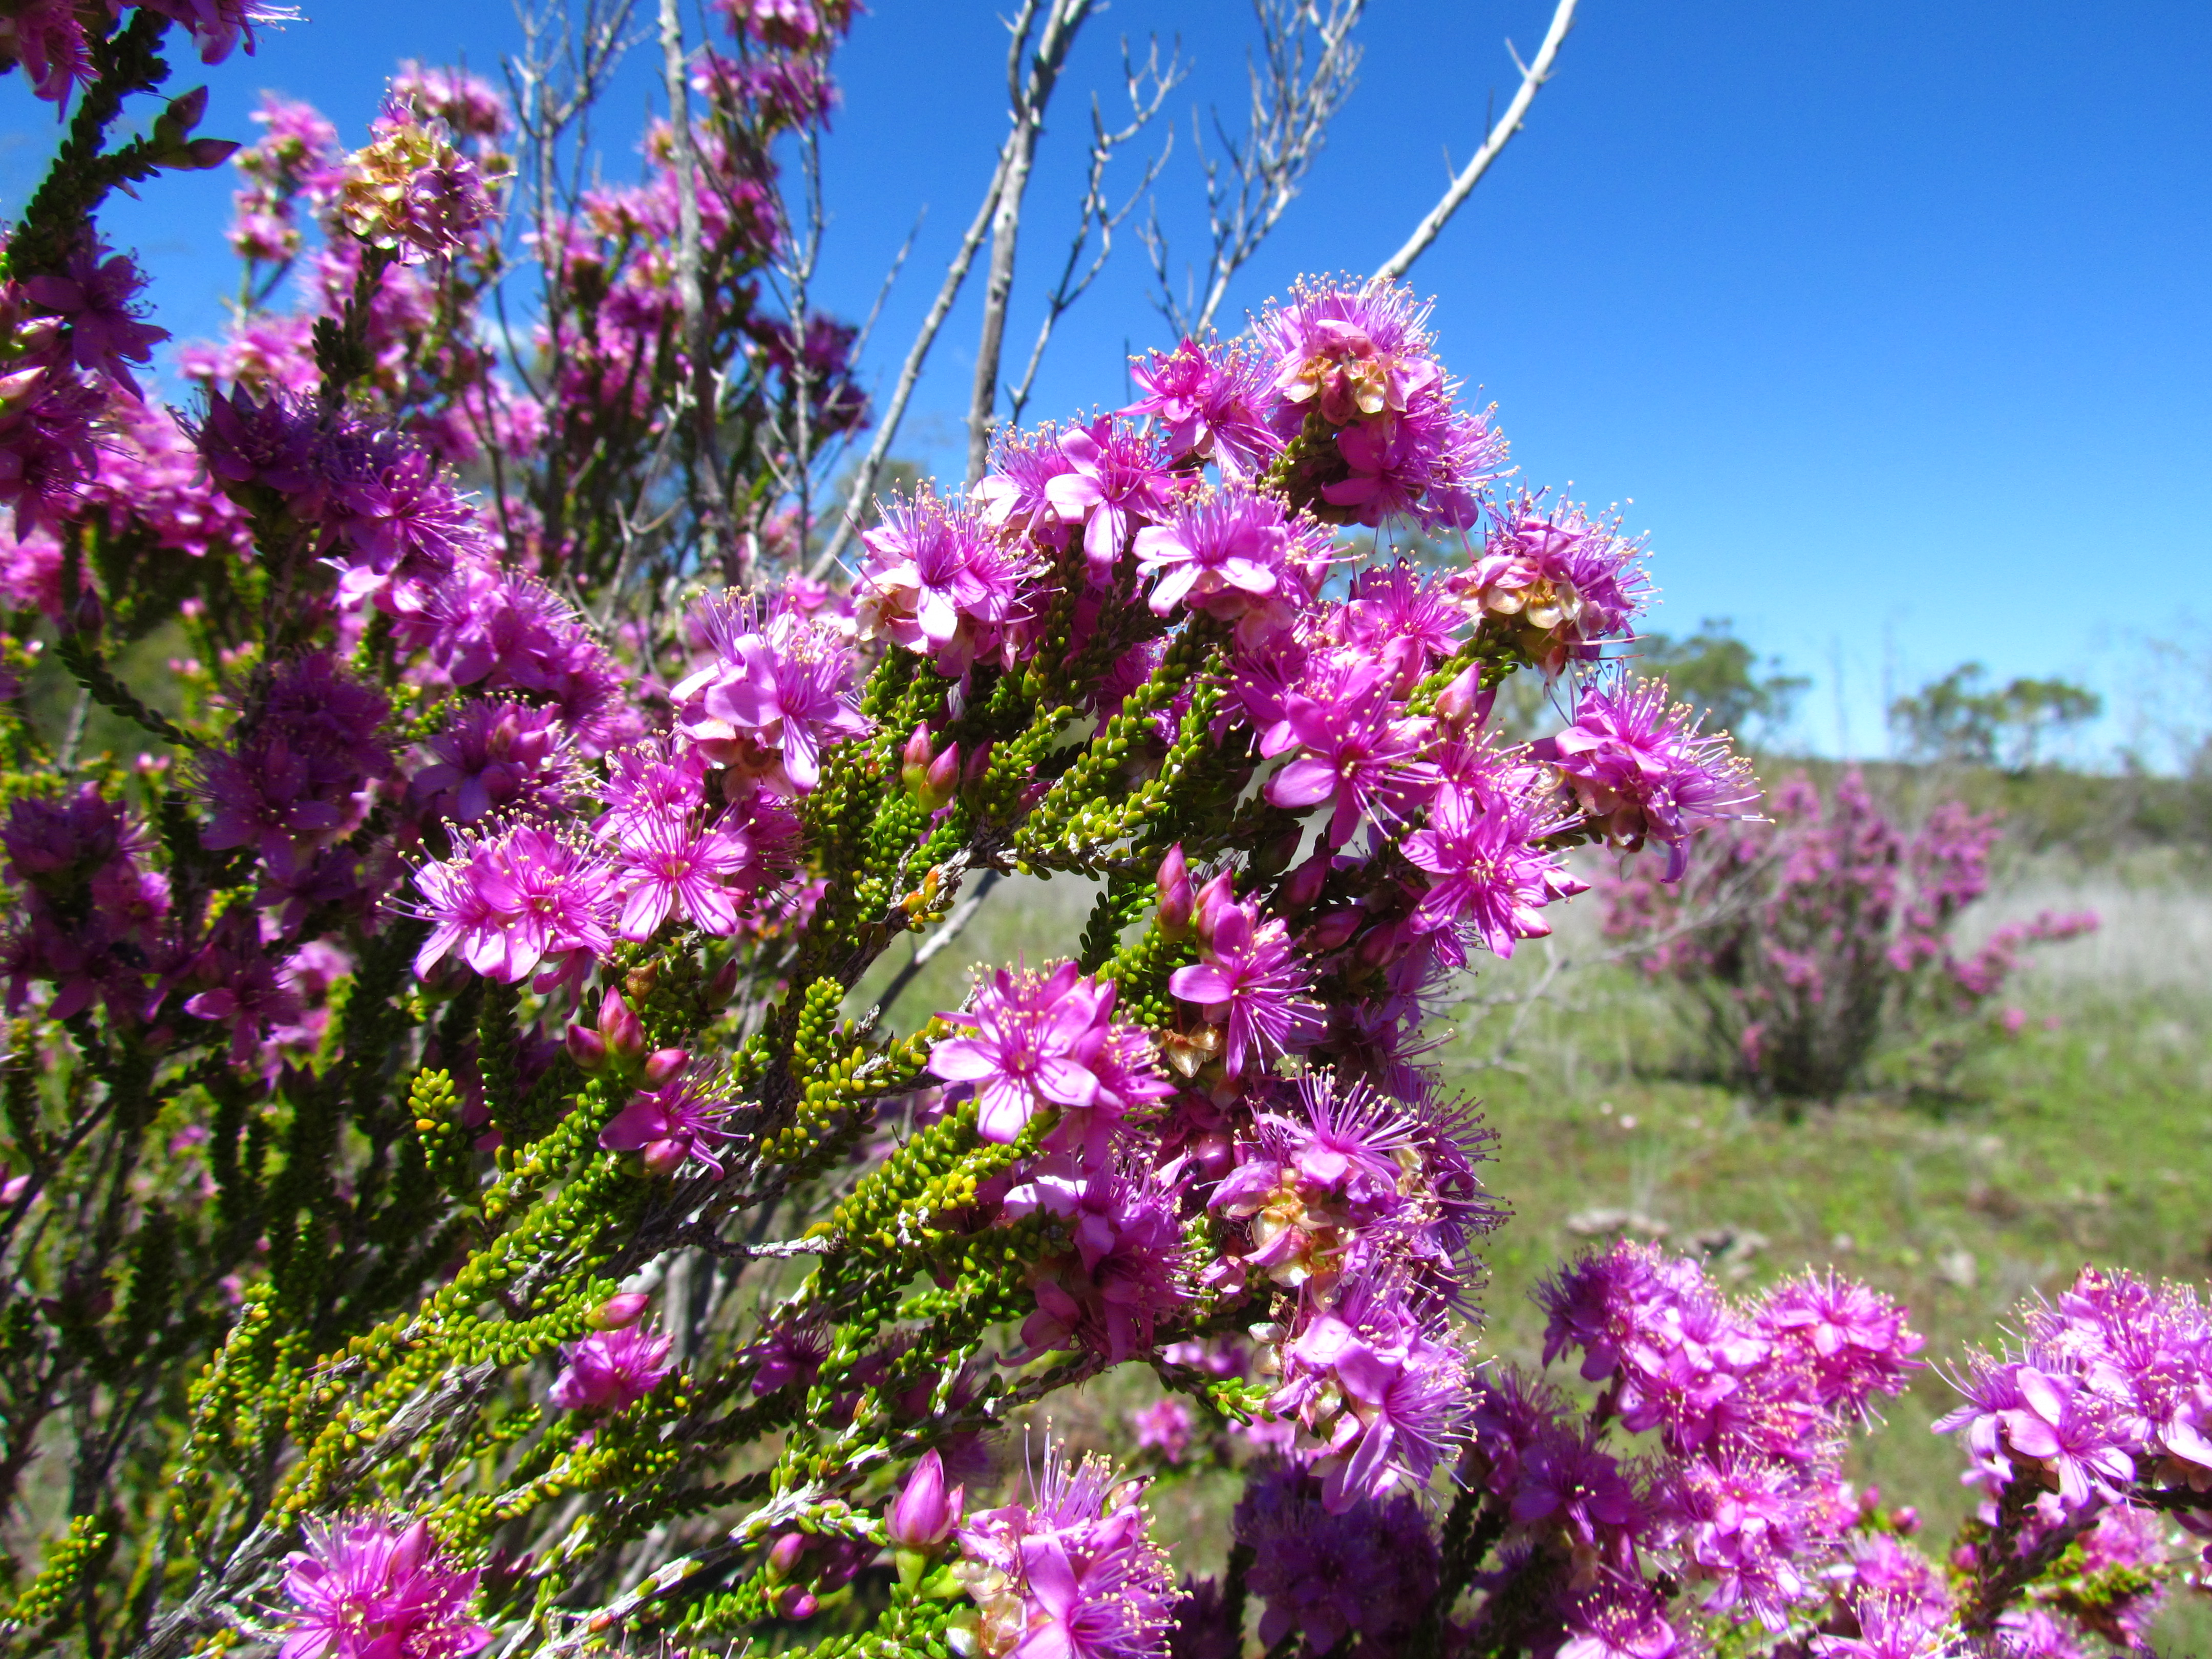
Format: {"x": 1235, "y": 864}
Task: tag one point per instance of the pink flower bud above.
{"x": 724, "y": 985}
{"x": 793, "y": 1603}
{"x": 1906, "y": 1520}
{"x": 942, "y": 781}
{"x": 663, "y": 1065}
{"x": 978, "y": 763}
{"x": 624, "y": 1035}
{"x": 783, "y": 1555}
{"x": 1173, "y": 883}
{"x": 619, "y": 1311}
{"x": 1216, "y": 896}
{"x": 587, "y": 1049}
{"x": 1464, "y": 702}
{"x": 663, "y": 1158}
{"x": 1306, "y": 882}
{"x": 914, "y": 763}
{"x": 924, "y": 1515}
{"x": 1331, "y": 930}
{"x": 187, "y": 109}
{"x": 1212, "y": 1153}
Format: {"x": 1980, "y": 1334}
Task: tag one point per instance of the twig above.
{"x": 1532, "y": 77}
{"x": 1097, "y": 209}
{"x": 1293, "y": 100}
{"x": 1027, "y": 96}
{"x": 963, "y": 913}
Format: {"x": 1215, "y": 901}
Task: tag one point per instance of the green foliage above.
{"x": 1964, "y": 720}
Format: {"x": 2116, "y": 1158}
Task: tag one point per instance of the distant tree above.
{"x": 1964, "y": 719}
{"x": 1720, "y": 675}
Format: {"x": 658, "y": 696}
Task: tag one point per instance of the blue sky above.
{"x": 1890, "y": 319}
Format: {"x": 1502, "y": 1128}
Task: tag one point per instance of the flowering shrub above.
{"x": 1808, "y": 941}
{"x": 450, "y": 1202}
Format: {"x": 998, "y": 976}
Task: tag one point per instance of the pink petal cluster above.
{"x": 360, "y": 1590}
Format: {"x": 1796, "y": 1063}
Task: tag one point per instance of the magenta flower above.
{"x": 1072, "y": 1575}
{"x": 1361, "y": 752}
{"x": 1012, "y": 496}
{"x": 938, "y": 580}
{"x": 300, "y": 768}
{"x": 94, "y": 294}
{"x": 1360, "y": 1574}
{"x": 359, "y": 1590}
{"x": 1250, "y": 980}
{"x": 683, "y": 1119}
{"x": 47, "y": 40}
{"x": 1385, "y": 1388}
{"x": 772, "y": 698}
{"x": 1164, "y": 1427}
{"x": 1119, "y": 482}
{"x": 1351, "y": 353}
{"x": 1403, "y": 622}
{"x": 1489, "y": 876}
{"x": 1045, "y": 1041}
{"x": 1853, "y": 1340}
{"x": 522, "y": 900}
{"x": 1641, "y": 771}
{"x": 497, "y": 758}
{"x": 1743, "y": 1524}
{"x": 1206, "y": 402}
{"x": 503, "y": 632}
{"x": 609, "y": 1370}
{"x": 1234, "y": 556}
{"x": 1618, "y": 1617}
{"x": 1555, "y": 580}
{"x": 1127, "y": 1270}
{"x": 1320, "y": 1191}
{"x": 216, "y": 26}
{"x": 48, "y": 446}
{"x": 1570, "y": 1483}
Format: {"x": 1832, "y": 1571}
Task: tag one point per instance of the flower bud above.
{"x": 1271, "y": 857}
{"x": 913, "y": 762}
{"x": 978, "y": 763}
{"x": 1464, "y": 702}
{"x": 794, "y": 1602}
{"x": 208, "y": 154}
{"x": 1213, "y": 1153}
{"x": 665, "y": 1158}
{"x": 1905, "y": 1520}
{"x": 1331, "y": 930}
{"x": 783, "y": 1555}
{"x": 942, "y": 781}
{"x": 1306, "y": 882}
{"x": 587, "y": 1049}
{"x": 640, "y": 983}
{"x": 187, "y": 109}
{"x": 86, "y": 616}
{"x": 1173, "y": 883}
{"x": 924, "y": 1515}
{"x": 624, "y": 1035}
{"x": 724, "y": 985}
{"x": 619, "y": 1311}
{"x": 1217, "y": 895}
{"x": 664, "y": 1065}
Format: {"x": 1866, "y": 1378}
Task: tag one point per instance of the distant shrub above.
{"x": 1809, "y": 939}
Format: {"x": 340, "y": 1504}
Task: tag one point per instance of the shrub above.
{"x": 451, "y": 1200}
{"x": 1810, "y": 941}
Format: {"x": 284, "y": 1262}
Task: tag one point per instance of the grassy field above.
{"x": 2087, "y": 1137}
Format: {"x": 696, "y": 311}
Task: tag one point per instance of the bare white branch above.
{"x": 1532, "y": 77}
{"x": 1029, "y": 93}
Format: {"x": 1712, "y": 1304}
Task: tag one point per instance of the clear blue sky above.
{"x": 1891, "y": 319}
